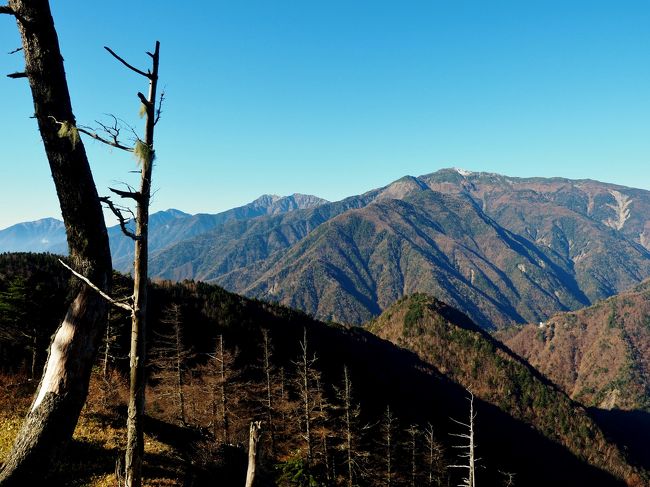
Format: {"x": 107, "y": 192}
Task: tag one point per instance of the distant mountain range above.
{"x": 46, "y": 235}
{"x": 503, "y": 250}
{"x": 166, "y": 228}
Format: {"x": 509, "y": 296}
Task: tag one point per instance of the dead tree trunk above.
{"x": 469, "y": 454}
{"x": 388, "y": 430}
{"x": 252, "y": 452}
{"x": 62, "y": 391}
{"x": 268, "y": 369}
{"x": 144, "y": 151}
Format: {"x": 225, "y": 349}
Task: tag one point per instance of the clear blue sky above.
{"x": 337, "y": 97}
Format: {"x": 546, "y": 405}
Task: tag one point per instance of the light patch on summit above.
{"x": 463, "y": 172}
{"x": 622, "y": 209}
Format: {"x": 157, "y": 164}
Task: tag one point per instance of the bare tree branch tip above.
{"x": 22, "y": 74}
{"x": 131, "y": 67}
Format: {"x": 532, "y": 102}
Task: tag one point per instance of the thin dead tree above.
{"x": 434, "y": 456}
{"x": 413, "y": 432}
{"x": 145, "y": 154}
{"x": 63, "y": 388}
{"x": 268, "y": 404}
{"x": 170, "y": 356}
{"x": 306, "y": 376}
{"x": 143, "y": 149}
{"x": 324, "y": 431}
{"x": 388, "y": 426}
{"x": 220, "y": 375}
{"x": 468, "y": 453}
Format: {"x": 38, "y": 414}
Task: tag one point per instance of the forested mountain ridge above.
{"x": 503, "y": 250}
{"x": 451, "y": 342}
{"x": 382, "y": 375}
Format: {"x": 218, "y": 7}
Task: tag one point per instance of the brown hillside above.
{"x": 599, "y": 355}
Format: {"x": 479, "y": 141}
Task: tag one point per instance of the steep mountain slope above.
{"x": 451, "y": 342}
{"x": 599, "y": 355}
{"x": 358, "y": 263}
{"x": 383, "y": 374}
{"x": 579, "y": 220}
{"x": 37, "y": 236}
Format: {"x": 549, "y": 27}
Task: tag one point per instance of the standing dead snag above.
{"x": 62, "y": 391}
{"x": 145, "y": 154}
{"x": 268, "y": 403}
{"x": 469, "y": 456}
{"x": 169, "y": 357}
{"x": 388, "y": 426}
{"x": 254, "y": 438}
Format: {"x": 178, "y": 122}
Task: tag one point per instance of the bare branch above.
{"x": 132, "y": 68}
{"x": 95, "y": 288}
{"x": 103, "y": 140}
{"x": 5, "y": 9}
{"x": 118, "y": 213}
{"x": 135, "y": 195}
{"x": 22, "y": 74}
{"x": 18, "y": 49}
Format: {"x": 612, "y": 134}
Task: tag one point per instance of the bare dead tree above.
{"x": 434, "y": 455}
{"x": 413, "y": 432}
{"x": 388, "y": 426}
{"x": 268, "y": 370}
{"x": 62, "y": 391}
{"x": 220, "y": 376}
{"x": 348, "y": 414}
{"x": 323, "y": 430}
{"x": 169, "y": 357}
{"x": 468, "y": 450}
{"x": 145, "y": 155}
{"x": 306, "y": 375}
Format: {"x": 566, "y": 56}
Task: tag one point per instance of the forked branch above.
{"x": 118, "y": 213}
{"x": 101, "y": 139}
